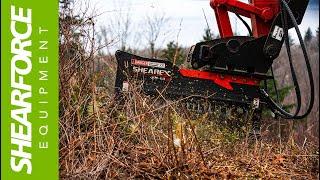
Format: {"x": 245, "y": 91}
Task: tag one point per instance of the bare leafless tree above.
{"x": 155, "y": 25}
{"x": 118, "y": 30}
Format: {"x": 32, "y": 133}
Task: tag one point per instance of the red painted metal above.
{"x": 260, "y": 26}
{"x": 224, "y": 24}
{"x": 219, "y": 79}
{"x": 261, "y": 13}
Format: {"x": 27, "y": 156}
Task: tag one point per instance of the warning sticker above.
{"x": 277, "y": 33}
{"x": 148, "y": 63}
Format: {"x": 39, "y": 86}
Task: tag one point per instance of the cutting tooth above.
{"x": 188, "y": 106}
{"x": 194, "y": 106}
{"x": 217, "y": 111}
{"x": 229, "y": 113}
{"x": 199, "y": 107}
{"x": 191, "y": 106}
{"x": 205, "y": 107}
{"x": 210, "y": 109}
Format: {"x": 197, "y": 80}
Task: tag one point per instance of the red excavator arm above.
{"x": 261, "y": 13}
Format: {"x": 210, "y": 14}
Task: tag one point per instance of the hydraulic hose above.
{"x": 284, "y": 20}
{"x": 245, "y": 24}
{"x": 276, "y": 108}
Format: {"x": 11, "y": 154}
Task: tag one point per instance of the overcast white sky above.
{"x": 188, "y": 12}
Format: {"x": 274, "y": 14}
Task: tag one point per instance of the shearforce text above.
{"x": 21, "y": 65}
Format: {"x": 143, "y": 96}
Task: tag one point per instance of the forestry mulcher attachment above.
{"x": 232, "y": 70}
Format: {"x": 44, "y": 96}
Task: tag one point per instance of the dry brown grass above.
{"x": 138, "y": 140}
